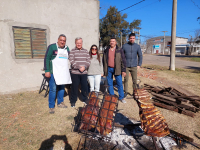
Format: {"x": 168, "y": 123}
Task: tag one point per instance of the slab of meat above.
{"x": 152, "y": 121}
{"x": 90, "y": 113}
{"x": 106, "y": 114}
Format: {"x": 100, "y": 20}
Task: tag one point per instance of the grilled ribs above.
{"x": 106, "y": 114}
{"x": 90, "y": 113}
{"x": 152, "y": 121}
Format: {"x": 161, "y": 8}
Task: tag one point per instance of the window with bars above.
{"x": 30, "y": 43}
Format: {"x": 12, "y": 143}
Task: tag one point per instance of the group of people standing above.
{"x": 89, "y": 67}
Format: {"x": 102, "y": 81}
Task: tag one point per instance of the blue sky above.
{"x": 156, "y": 15}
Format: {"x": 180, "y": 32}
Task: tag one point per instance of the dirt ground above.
{"x": 26, "y": 123}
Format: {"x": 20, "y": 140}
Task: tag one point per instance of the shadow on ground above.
{"x": 77, "y": 120}
{"x": 194, "y": 68}
{"x": 48, "y": 144}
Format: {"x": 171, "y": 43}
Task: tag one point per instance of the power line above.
{"x": 144, "y": 6}
{"x": 185, "y": 32}
{"x": 180, "y": 31}
{"x": 132, "y": 5}
{"x": 126, "y": 8}
{"x": 195, "y": 4}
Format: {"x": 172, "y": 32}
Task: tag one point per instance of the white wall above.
{"x": 71, "y": 17}
{"x": 181, "y": 40}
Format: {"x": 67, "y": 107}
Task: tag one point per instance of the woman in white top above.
{"x": 95, "y": 70}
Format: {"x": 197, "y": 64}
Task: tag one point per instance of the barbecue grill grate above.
{"x": 92, "y": 127}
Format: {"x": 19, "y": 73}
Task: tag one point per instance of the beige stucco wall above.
{"x": 74, "y": 18}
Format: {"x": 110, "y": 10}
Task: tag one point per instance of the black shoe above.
{"x": 125, "y": 94}
{"x": 72, "y": 104}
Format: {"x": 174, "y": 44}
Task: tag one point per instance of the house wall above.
{"x": 75, "y": 18}
{"x": 181, "y": 40}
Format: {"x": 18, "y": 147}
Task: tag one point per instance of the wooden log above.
{"x": 164, "y": 97}
{"x": 183, "y": 100}
{"x": 185, "y": 112}
{"x": 184, "y": 137}
{"x": 186, "y": 97}
{"x": 154, "y": 88}
{"x": 151, "y": 89}
{"x": 177, "y": 98}
{"x": 178, "y": 93}
{"x": 175, "y": 134}
{"x": 194, "y": 99}
{"x": 186, "y": 92}
{"x": 173, "y": 93}
{"x": 197, "y": 103}
{"x": 174, "y": 100}
{"x": 191, "y": 108}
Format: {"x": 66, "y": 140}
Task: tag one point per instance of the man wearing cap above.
{"x": 133, "y": 56}
{"x": 57, "y": 70}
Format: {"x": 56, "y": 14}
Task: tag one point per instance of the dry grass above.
{"x": 189, "y": 79}
{"x": 26, "y": 123}
{"x": 196, "y": 59}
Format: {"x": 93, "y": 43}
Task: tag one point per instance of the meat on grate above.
{"x": 106, "y": 114}
{"x": 152, "y": 121}
{"x": 90, "y": 113}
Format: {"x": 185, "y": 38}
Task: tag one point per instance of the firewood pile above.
{"x": 173, "y": 99}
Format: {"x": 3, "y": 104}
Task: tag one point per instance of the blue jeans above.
{"x": 118, "y": 78}
{"x": 52, "y": 92}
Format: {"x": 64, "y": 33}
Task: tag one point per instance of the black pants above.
{"x": 76, "y": 80}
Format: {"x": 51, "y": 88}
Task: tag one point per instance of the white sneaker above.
{"x": 123, "y": 100}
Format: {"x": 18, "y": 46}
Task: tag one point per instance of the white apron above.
{"x": 61, "y": 68}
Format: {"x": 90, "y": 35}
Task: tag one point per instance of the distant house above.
{"x": 28, "y": 27}
{"x": 157, "y": 45}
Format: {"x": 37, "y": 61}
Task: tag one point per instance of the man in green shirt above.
{"x": 56, "y": 68}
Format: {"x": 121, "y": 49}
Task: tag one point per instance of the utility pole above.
{"x": 164, "y": 42}
{"x": 173, "y": 36}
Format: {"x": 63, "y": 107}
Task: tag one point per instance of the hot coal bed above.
{"x": 103, "y": 128}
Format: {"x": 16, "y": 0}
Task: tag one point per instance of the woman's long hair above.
{"x": 98, "y": 55}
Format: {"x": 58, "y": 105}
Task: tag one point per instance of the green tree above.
{"x": 113, "y": 24}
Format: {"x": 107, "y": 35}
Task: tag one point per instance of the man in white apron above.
{"x": 57, "y": 69}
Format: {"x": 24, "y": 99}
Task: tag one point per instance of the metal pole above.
{"x": 173, "y": 36}
{"x": 164, "y": 43}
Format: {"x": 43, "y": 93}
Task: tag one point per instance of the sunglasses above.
{"x": 94, "y": 49}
